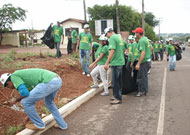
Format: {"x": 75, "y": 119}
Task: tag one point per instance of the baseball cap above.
{"x": 107, "y": 30}
{"x": 170, "y": 39}
{"x": 86, "y": 26}
{"x": 131, "y": 37}
{"x": 102, "y": 38}
{"x": 138, "y": 30}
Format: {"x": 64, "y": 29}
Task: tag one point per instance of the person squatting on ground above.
{"x": 116, "y": 60}
{"x": 142, "y": 65}
{"x": 58, "y": 33}
{"x": 85, "y": 47}
{"x": 33, "y": 85}
{"x": 101, "y": 58}
{"x": 171, "y": 52}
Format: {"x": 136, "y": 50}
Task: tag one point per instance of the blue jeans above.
{"x": 58, "y": 52}
{"x": 117, "y": 81}
{"x": 85, "y": 56}
{"x": 172, "y": 62}
{"x": 41, "y": 91}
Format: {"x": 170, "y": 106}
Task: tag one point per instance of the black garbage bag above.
{"x": 48, "y": 39}
{"x": 178, "y": 53}
{"x": 128, "y": 84}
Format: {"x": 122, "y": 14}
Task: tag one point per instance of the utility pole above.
{"x": 117, "y": 16}
{"x": 143, "y": 15}
{"x": 84, "y": 4}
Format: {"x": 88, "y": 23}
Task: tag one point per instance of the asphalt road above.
{"x": 139, "y": 116}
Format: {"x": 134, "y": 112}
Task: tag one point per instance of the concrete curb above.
{"x": 65, "y": 111}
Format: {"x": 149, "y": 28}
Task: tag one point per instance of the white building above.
{"x": 76, "y": 23}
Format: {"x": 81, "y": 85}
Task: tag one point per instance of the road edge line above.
{"x": 160, "y": 128}
{"x": 65, "y": 111}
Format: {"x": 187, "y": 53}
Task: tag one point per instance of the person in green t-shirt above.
{"x": 116, "y": 60}
{"x": 74, "y": 37}
{"x": 161, "y": 50}
{"x": 171, "y": 53}
{"x": 98, "y": 66}
{"x": 85, "y": 47}
{"x": 130, "y": 53}
{"x": 156, "y": 50}
{"x": 58, "y": 33}
{"x": 33, "y": 85}
{"x": 142, "y": 65}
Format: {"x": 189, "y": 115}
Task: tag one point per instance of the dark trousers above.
{"x": 156, "y": 56}
{"x": 161, "y": 54}
{"x": 69, "y": 46}
{"x": 142, "y": 77}
{"x": 135, "y": 73}
{"x": 117, "y": 81}
{"x": 58, "y": 52}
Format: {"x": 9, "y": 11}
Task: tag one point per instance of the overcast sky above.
{"x": 175, "y": 14}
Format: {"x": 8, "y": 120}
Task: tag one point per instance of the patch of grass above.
{"x": 14, "y": 129}
{"x": 27, "y": 54}
{"x": 45, "y": 110}
{"x": 50, "y": 54}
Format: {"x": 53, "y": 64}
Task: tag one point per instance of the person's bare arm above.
{"x": 63, "y": 39}
{"x": 78, "y": 43}
{"x": 106, "y": 66}
{"x": 91, "y": 47}
{"x": 140, "y": 60}
{"x": 152, "y": 50}
{"x": 97, "y": 60}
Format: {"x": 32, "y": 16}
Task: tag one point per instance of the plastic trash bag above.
{"x": 48, "y": 39}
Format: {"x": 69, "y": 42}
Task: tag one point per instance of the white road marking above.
{"x": 160, "y": 128}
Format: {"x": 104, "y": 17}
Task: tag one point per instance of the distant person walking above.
{"x": 161, "y": 50}
{"x": 74, "y": 37}
{"x": 116, "y": 60}
{"x": 171, "y": 52}
{"x": 156, "y": 50}
{"x": 85, "y": 47}
{"x": 33, "y": 85}
{"x": 58, "y": 37}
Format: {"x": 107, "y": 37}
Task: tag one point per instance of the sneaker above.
{"x": 57, "y": 126}
{"x": 33, "y": 127}
{"x": 140, "y": 94}
{"x": 104, "y": 94}
{"x": 83, "y": 73}
{"x": 88, "y": 75}
{"x": 94, "y": 86}
{"x": 115, "y": 102}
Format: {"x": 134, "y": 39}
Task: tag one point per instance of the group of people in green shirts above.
{"x": 111, "y": 55}
{"x": 36, "y": 84}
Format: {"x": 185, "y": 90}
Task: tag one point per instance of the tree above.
{"x": 151, "y": 19}
{"x": 150, "y": 34}
{"x": 10, "y": 15}
{"x": 129, "y": 18}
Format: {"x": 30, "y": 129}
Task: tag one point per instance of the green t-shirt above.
{"x": 125, "y": 45}
{"x": 103, "y": 49}
{"x": 85, "y": 40}
{"x": 57, "y": 32}
{"x": 130, "y": 47}
{"x": 171, "y": 50}
{"x": 149, "y": 50}
{"x": 96, "y": 47}
{"x": 116, "y": 43}
{"x": 156, "y": 48}
{"x": 135, "y": 51}
{"x": 143, "y": 46}
{"x": 74, "y": 36}
{"x": 161, "y": 46}
{"x": 31, "y": 77}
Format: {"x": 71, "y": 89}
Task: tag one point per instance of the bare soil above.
{"x": 74, "y": 85}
